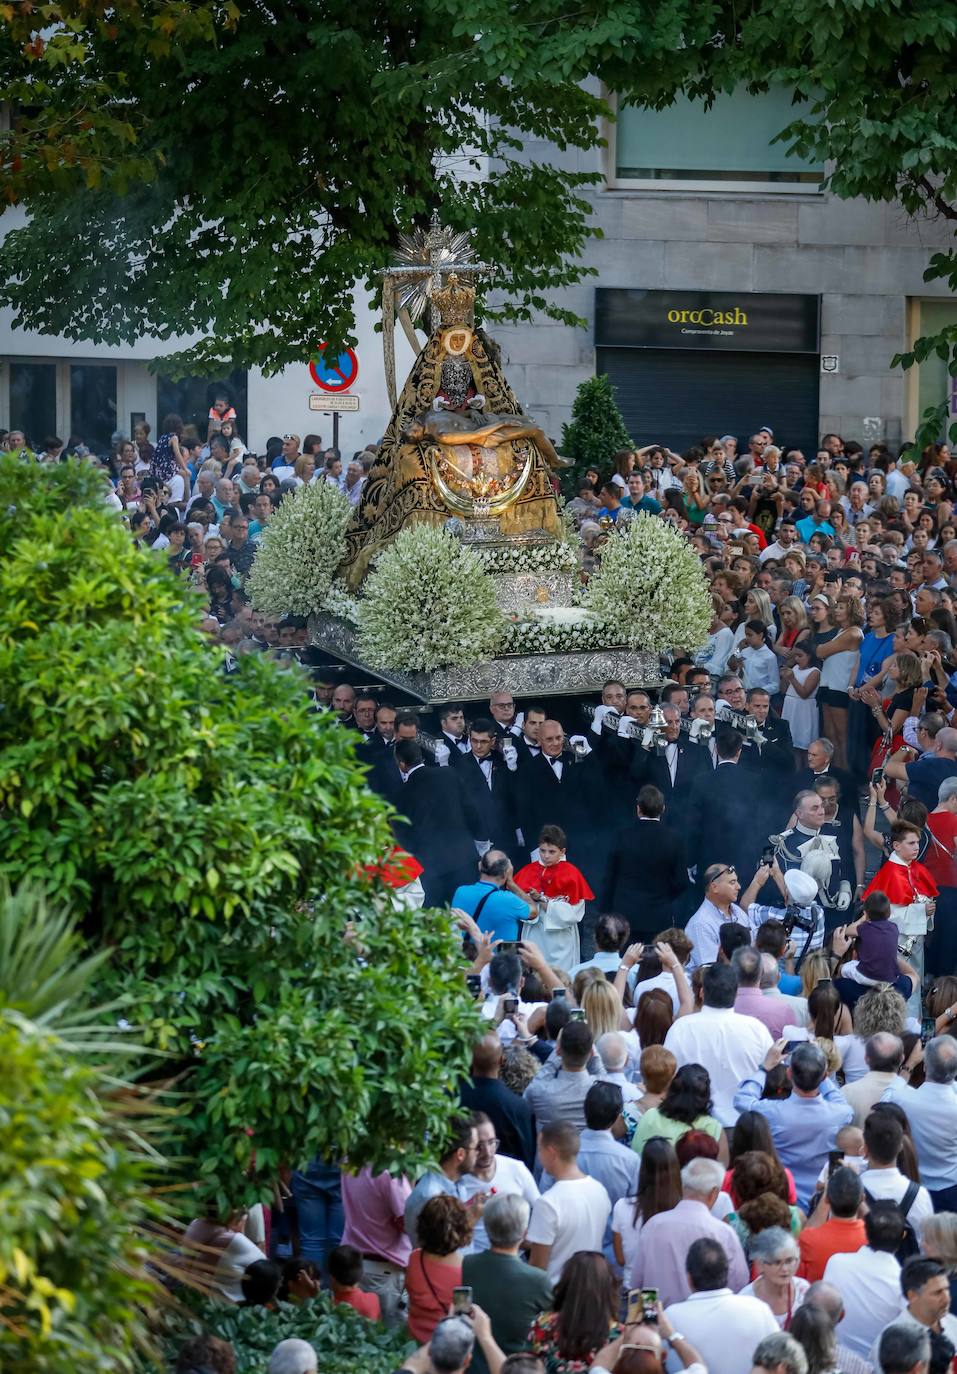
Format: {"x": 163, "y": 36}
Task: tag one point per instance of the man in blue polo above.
{"x": 496, "y": 905}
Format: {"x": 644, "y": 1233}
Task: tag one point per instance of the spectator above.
{"x": 932, "y": 1112}
{"x": 374, "y": 1211}
{"x": 882, "y": 1148}
{"x": 494, "y": 1175}
{"x": 558, "y": 1092}
{"x": 573, "y": 1214}
{"x": 457, "y": 1161}
{"x": 869, "y": 1280}
{"x": 835, "y": 1227}
{"x": 712, "y": 1317}
{"x": 583, "y": 1315}
{"x": 293, "y": 1357}
{"x": 510, "y": 1114}
{"x": 600, "y": 1156}
{"x": 435, "y": 1266}
{"x": 904, "y": 1350}
{"x": 686, "y": 1106}
{"x": 779, "y": 1354}
{"x": 206, "y": 1355}
{"x": 659, "y": 1189}
{"x": 345, "y": 1271}
{"x": 927, "y": 1295}
{"x": 884, "y": 1055}
{"x": 510, "y": 1291}
{"x": 774, "y": 1253}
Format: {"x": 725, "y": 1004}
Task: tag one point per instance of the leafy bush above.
{"x": 597, "y": 431}
{"x": 209, "y": 830}
{"x": 651, "y": 588}
{"x": 345, "y": 1342}
{"x": 301, "y": 547}
{"x": 428, "y": 602}
{"x": 74, "y": 1182}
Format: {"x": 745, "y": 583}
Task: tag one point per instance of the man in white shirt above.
{"x": 927, "y": 1294}
{"x": 869, "y": 1280}
{"x": 883, "y": 1138}
{"x": 730, "y": 1046}
{"x": 932, "y": 1112}
{"x": 495, "y": 1174}
{"x": 713, "y": 1318}
{"x": 787, "y": 538}
{"x": 720, "y": 905}
{"x": 572, "y": 1215}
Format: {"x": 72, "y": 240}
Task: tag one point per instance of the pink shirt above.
{"x": 375, "y": 1215}
{"x": 773, "y": 1012}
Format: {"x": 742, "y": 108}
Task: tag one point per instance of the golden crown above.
{"x": 455, "y": 302}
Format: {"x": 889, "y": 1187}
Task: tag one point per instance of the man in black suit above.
{"x": 550, "y": 790}
{"x": 510, "y": 1114}
{"x": 440, "y": 827}
{"x": 488, "y": 783}
{"x": 647, "y": 869}
{"x": 364, "y": 712}
{"x": 501, "y": 708}
{"x": 452, "y": 726}
{"x": 526, "y": 743}
{"x": 673, "y": 771}
{"x": 720, "y": 822}
{"x": 820, "y": 757}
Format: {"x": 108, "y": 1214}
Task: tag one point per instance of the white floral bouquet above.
{"x": 340, "y": 601}
{"x": 301, "y": 547}
{"x": 428, "y": 602}
{"x": 651, "y": 588}
{"x": 566, "y": 631}
{"x": 555, "y": 555}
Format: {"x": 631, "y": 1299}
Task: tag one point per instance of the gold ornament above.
{"x": 455, "y": 302}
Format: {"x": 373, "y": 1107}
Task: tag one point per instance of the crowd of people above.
{"x": 711, "y": 929}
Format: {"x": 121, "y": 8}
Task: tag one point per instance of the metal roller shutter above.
{"x": 675, "y": 397}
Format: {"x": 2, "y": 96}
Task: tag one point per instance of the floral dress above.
{"x": 543, "y": 1339}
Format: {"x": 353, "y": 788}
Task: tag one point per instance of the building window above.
{"x": 33, "y": 400}
{"x": 93, "y": 411}
{"x": 727, "y": 148}
{"x": 191, "y": 397}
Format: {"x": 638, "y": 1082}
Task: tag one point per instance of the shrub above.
{"x": 209, "y": 830}
{"x": 428, "y": 602}
{"x": 301, "y": 547}
{"x": 651, "y": 588}
{"x": 597, "y": 431}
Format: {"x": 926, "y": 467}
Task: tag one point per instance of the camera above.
{"x": 794, "y": 918}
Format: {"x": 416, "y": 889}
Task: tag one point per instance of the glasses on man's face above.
{"x": 725, "y": 872}
{"x": 488, "y": 1147}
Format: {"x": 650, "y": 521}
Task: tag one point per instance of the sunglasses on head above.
{"x": 730, "y": 869}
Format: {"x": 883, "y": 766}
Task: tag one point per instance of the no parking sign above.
{"x": 335, "y": 373}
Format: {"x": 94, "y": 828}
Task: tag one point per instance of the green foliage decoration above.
{"x": 597, "y": 431}
{"x": 211, "y": 831}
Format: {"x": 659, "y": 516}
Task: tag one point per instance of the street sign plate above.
{"x": 335, "y": 373}
{"x": 328, "y": 401}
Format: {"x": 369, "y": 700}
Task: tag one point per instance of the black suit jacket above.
{"x": 648, "y": 766}
{"x": 777, "y": 755}
{"x": 544, "y": 800}
{"x": 509, "y": 1114}
{"x": 495, "y": 805}
{"x": 804, "y": 782}
{"x": 645, "y": 875}
{"x": 439, "y": 826}
{"x": 721, "y": 824}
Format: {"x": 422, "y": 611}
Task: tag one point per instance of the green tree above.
{"x": 75, "y": 1179}
{"x": 232, "y": 170}
{"x": 597, "y": 431}
{"x": 211, "y": 831}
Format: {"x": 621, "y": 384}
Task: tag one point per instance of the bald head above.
{"x": 884, "y": 1053}
{"x": 946, "y": 742}
{"x": 487, "y": 1057}
{"x": 612, "y": 1051}
{"x": 551, "y": 737}
{"x": 825, "y": 1298}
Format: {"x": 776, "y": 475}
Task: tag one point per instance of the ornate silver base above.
{"x": 523, "y": 591}
{"x": 523, "y": 674}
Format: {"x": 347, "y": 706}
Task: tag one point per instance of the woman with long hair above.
{"x": 603, "y": 1009}
{"x": 752, "y": 1132}
{"x": 837, "y": 644}
{"x": 583, "y": 1318}
{"x": 654, "y": 1017}
{"x": 659, "y": 1189}
{"x": 794, "y": 626}
{"x": 813, "y": 1330}
{"x": 892, "y": 709}
{"x": 695, "y": 497}
{"x": 686, "y": 1106}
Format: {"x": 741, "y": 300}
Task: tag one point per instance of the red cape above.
{"x": 902, "y": 884}
{"x": 562, "y": 880}
{"x": 397, "y": 869}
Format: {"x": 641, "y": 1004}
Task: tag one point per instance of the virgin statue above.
{"x": 458, "y": 444}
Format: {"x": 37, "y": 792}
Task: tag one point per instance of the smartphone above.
{"x": 507, "y": 947}
{"x": 473, "y": 981}
{"x": 835, "y": 1160}
{"x": 576, "y": 1014}
{"x": 462, "y": 1299}
{"x": 636, "y": 1307}
{"x": 928, "y": 1029}
{"x": 511, "y": 1005}
{"x": 791, "y": 1045}
{"x": 649, "y": 1304}
{"x": 767, "y": 854}
{"x": 558, "y": 993}
{"x": 877, "y": 777}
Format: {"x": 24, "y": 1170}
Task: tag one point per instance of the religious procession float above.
{"x": 458, "y": 573}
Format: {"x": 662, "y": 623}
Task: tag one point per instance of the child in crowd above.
{"x": 345, "y": 1271}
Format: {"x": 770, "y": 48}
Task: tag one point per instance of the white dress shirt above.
{"x": 932, "y": 1112}
{"x": 730, "y": 1046}
{"x": 702, "y": 930}
{"x": 556, "y": 765}
{"x": 727, "y": 1325}
{"x": 869, "y": 1281}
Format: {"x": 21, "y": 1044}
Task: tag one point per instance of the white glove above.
{"x": 648, "y": 738}
{"x": 843, "y": 897}
{"x": 598, "y": 719}
{"x": 482, "y": 847}
{"x": 519, "y": 837}
{"x": 510, "y": 755}
{"x": 579, "y": 740}
{"x": 625, "y": 727}
{"x": 441, "y": 755}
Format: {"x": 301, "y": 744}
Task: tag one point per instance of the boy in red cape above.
{"x": 911, "y": 891}
{"x": 561, "y": 892}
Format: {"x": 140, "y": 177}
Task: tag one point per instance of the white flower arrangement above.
{"x": 428, "y": 602}
{"x": 555, "y": 556}
{"x": 651, "y": 588}
{"x": 341, "y": 602}
{"x": 557, "y": 635}
{"x": 301, "y": 547}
